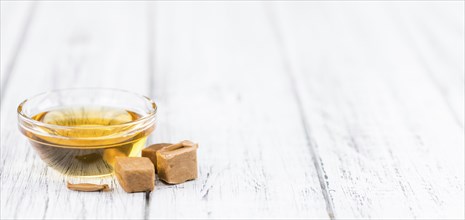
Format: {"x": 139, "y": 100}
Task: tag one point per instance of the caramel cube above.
{"x": 177, "y": 163}
{"x": 135, "y": 174}
{"x": 151, "y": 152}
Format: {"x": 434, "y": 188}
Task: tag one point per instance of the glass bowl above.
{"x": 80, "y": 132}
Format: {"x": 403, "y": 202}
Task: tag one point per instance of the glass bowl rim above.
{"x": 150, "y": 115}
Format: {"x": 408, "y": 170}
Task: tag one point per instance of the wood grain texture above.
{"x": 15, "y": 20}
{"x": 389, "y": 144}
{"x": 246, "y": 165}
{"x": 220, "y": 82}
{"x": 301, "y": 109}
{"x": 436, "y": 32}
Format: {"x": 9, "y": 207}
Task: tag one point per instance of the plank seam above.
{"x": 150, "y": 51}
{"x": 150, "y": 72}
{"x": 293, "y": 83}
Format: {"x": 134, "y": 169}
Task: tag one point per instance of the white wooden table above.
{"x": 306, "y": 109}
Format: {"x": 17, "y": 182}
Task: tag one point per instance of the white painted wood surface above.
{"x": 302, "y": 109}
{"x": 15, "y": 20}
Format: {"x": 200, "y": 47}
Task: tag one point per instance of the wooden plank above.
{"x": 220, "y": 81}
{"x": 14, "y": 22}
{"x": 436, "y": 32}
{"x": 389, "y": 145}
{"x": 70, "y": 44}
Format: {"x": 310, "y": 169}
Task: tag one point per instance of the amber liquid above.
{"x": 87, "y": 148}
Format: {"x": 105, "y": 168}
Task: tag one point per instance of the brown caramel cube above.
{"x": 177, "y": 163}
{"x": 151, "y": 152}
{"x": 135, "y": 174}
